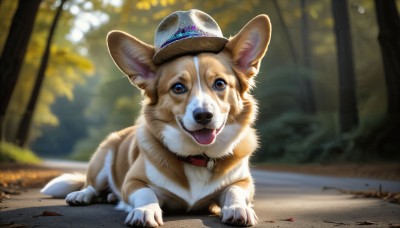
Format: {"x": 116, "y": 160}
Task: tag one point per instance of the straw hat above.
{"x": 187, "y": 32}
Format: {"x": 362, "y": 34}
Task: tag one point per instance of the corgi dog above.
{"x": 189, "y": 149}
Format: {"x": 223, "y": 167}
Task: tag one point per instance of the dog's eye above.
{"x": 178, "y": 88}
{"x": 219, "y": 84}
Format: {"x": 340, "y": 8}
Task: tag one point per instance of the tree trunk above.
{"x": 309, "y": 101}
{"x": 305, "y": 32}
{"x": 25, "y": 124}
{"x": 286, "y": 32}
{"x": 14, "y": 51}
{"x": 348, "y": 112}
{"x": 389, "y": 41}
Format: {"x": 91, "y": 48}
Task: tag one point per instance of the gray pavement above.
{"x": 279, "y": 196}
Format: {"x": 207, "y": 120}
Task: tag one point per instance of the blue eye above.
{"x": 219, "y": 84}
{"x": 178, "y": 88}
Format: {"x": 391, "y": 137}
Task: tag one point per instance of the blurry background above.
{"x": 328, "y": 89}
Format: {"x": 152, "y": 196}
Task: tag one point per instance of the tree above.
{"x": 348, "y": 113}
{"x": 309, "y": 103}
{"x": 389, "y": 40}
{"x": 24, "y": 126}
{"x": 14, "y": 51}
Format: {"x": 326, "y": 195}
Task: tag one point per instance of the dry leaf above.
{"x": 367, "y": 223}
{"x": 17, "y": 226}
{"x": 289, "y": 219}
{"x": 392, "y": 197}
{"x": 50, "y": 213}
{"x": 336, "y": 223}
{"x": 12, "y": 225}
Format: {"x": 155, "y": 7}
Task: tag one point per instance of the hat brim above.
{"x": 190, "y": 45}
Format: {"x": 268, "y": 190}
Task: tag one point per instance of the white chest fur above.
{"x": 199, "y": 178}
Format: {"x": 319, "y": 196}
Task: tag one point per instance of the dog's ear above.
{"x": 248, "y": 47}
{"x": 133, "y": 57}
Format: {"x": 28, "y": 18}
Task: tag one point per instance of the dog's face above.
{"x": 195, "y": 92}
{"x": 200, "y": 103}
{"x": 198, "y": 96}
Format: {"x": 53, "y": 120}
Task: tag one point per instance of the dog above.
{"x": 189, "y": 149}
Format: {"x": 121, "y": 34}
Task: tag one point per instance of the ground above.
{"x": 284, "y": 198}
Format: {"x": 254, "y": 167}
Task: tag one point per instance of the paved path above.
{"x": 279, "y": 196}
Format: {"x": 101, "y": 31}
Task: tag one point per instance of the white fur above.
{"x": 64, "y": 184}
{"x": 199, "y": 181}
{"x": 108, "y": 168}
{"x": 102, "y": 176}
{"x": 196, "y": 65}
{"x": 83, "y": 196}
{"x": 122, "y": 206}
{"x": 236, "y": 208}
{"x": 146, "y": 211}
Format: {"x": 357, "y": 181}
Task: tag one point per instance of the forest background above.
{"x": 328, "y": 88}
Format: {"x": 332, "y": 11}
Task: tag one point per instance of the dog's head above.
{"x": 197, "y": 104}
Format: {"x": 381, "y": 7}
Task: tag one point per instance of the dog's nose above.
{"x": 202, "y": 116}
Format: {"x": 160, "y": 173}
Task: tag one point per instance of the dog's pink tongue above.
{"x": 205, "y": 136}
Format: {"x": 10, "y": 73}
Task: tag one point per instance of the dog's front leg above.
{"x": 146, "y": 210}
{"x": 236, "y": 208}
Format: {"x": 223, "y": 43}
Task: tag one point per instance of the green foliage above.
{"x": 300, "y": 138}
{"x": 283, "y": 89}
{"x": 293, "y": 137}
{"x": 12, "y": 153}
{"x": 377, "y": 139}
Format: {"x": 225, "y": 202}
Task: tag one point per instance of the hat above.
{"x": 187, "y": 32}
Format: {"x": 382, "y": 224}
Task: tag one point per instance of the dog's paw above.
{"x": 146, "y": 216}
{"x": 239, "y": 215}
{"x": 112, "y": 198}
{"x": 80, "y": 198}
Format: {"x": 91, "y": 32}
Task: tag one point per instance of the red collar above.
{"x": 196, "y": 160}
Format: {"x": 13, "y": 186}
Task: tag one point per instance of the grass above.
{"x": 12, "y": 153}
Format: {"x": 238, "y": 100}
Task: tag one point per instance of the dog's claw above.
{"x": 80, "y": 198}
{"x": 239, "y": 216}
{"x": 146, "y": 216}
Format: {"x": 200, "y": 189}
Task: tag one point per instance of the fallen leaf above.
{"x": 367, "y": 223}
{"x": 391, "y": 197}
{"x": 289, "y": 219}
{"x": 9, "y": 191}
{"x": 50, "y": 213}
{"x": 336, "y": 223}
{"x": 12, "y": 225}
{"x": 16, "y": 226}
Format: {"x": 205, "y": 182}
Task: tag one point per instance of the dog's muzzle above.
{"x": 204, "y": 135}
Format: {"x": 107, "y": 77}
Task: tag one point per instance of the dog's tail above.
{"x": 61, "y": 186}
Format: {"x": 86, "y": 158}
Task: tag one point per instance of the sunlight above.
{"x": 84, "y": 21}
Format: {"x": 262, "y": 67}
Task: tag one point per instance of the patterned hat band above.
{"x": 186, "y": 32}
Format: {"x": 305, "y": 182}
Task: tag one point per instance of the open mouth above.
{"x": 204, "y": 136}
